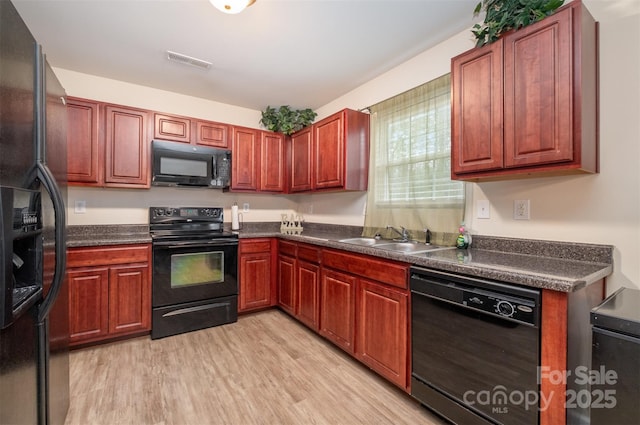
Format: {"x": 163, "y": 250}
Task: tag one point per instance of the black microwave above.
{"x": 181, "y": 164}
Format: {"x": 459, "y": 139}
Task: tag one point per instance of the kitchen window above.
{"x": 410, "y": 166}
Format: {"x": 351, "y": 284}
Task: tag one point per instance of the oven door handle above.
{"x": 187, "y": 244}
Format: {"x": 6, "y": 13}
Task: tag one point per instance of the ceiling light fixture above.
{"x": 232, "y": 6}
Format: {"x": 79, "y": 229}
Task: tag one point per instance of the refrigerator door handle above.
{"x": 49, "y": 183}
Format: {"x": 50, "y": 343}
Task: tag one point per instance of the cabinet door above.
{"x": 382, "y": 330}
{"x": 308, "y": 287}
{"x": 167, "y": 127}
{"x": 129, "y": 299}
{"x": 337, "y": 308}
{"x": 272, "y": 157}
{"x": 329, "y": 152}
{"x": 476, "y": 120}
{"x": 88, "y": 304}
{"x": 286, "y": 283}
{"x": 212, "y": 134}
{"x": 245, "y": 165}
{"x": 301, "y": 161}
{"x": 255, "y": 280}
{"x": 127, "y": 153}
{"x": 84, "y": 153}
{"x": 538, "y": 90}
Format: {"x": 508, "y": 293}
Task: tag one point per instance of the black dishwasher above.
{"x": 475, "y": 348}
{"x": 615, "y": 363}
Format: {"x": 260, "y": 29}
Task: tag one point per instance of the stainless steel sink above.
{"x": 409, "y": 247}
{"x": 366, "y": 241}
{"x": 395, "y": 246}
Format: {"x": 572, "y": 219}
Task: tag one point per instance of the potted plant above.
{"x": 506, "y": 15}
{"x": 286, "y": 120}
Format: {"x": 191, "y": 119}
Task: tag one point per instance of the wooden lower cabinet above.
{"x": 286, "y": 283}
{"x": 337, "y": 308}
{"x": 358, "y": 302}
{"x": 88, "y": 303}
{"x": 109, "y": 292}
{"x": 382, "y": 330}
{"x": 308, "y": 288}
{"x": 299, "y": 282}
{"x": 256, "y": 274}
{"x": 129, "y": 299}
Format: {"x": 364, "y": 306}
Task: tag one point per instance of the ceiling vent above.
{"x": 188, "y": 60}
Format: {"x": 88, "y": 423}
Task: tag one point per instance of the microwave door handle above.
{"x": 215, "y": 168}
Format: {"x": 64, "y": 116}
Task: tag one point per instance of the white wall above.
{"x": 602, "y": 208}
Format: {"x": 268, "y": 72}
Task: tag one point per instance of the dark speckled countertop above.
{"x": 559, "y": 266}
{"x": 112, "y": 234}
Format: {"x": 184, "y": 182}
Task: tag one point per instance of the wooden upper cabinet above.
{"x": 538, "y": 93}
{"x": 341, "y": 151}
{"x": 212, "y": 134}
{"x": 190, "y": 130}
{"x": 528, "y": 102}
{"x": 329, "y": 152}
{"x": 108, "y": 145}
{"x": 245, "y": 164}
{"x": 477, "y": 114}
{"x": 127, "y": 147}
{"x": 301, "y": 162}
{"x": 272, "y": 157}
{"x": 332, "y": 155}
{"x": 258, "y": 160}
{"x": 177, "y": 129}
{"x": 84, "y": 148}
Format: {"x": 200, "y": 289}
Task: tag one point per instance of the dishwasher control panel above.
{"x": 519, "y": 309}
{"x": 498, "y": 299}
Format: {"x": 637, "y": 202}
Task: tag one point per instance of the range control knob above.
{"x": 505, "y": 308}
{"x": 169, "y": 211}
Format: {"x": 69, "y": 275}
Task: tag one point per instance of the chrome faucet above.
{"x": 404, "y": 234}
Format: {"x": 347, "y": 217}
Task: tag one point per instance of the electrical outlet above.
{"x": 521, "y": 209}
{"x": 483, "y": 208}
{"x": 245, "y": 207}
{"x": 80, "y": 207}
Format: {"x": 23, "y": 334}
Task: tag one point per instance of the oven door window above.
{"x": 193, "y": 273}
{"x": 197, "y": 269}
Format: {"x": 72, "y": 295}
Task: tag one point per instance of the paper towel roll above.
{"x": 235, "y": 223}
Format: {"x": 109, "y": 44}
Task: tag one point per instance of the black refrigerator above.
{"x": 34, "y": 317}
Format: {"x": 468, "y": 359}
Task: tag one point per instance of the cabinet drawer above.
{"x": 254, "y": 245}
{"x": 106, "y": 255}
{"x": 287, "y": 248}
{"x": 386, "y": 271}
{"x": 309, "y": 253}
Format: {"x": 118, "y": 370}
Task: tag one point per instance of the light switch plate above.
{"x": 483, "y": 209}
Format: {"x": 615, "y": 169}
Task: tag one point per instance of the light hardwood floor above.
{"x": 264, "y": 369}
